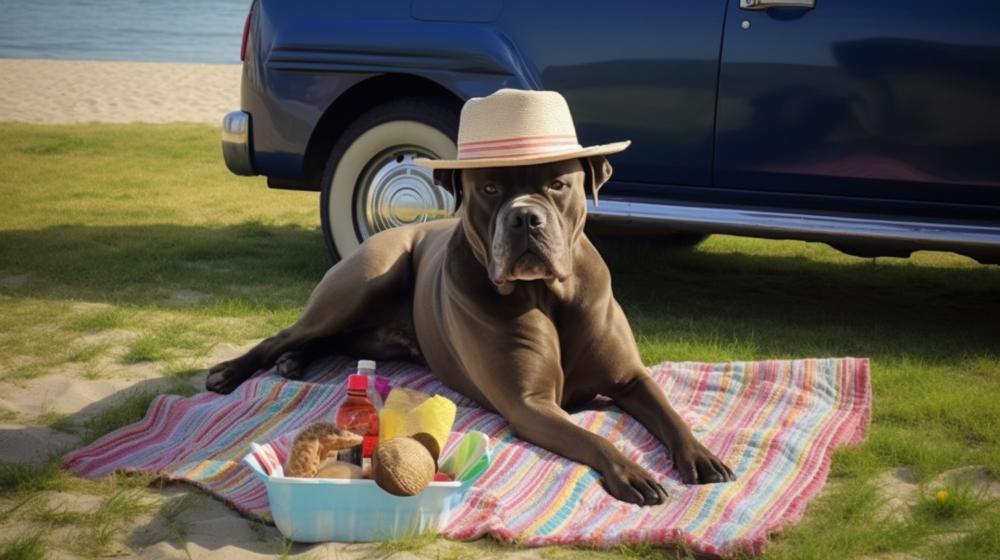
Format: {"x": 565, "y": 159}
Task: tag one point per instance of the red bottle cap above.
{"x": 357, "y": 382}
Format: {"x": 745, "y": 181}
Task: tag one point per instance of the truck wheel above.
{"x": 370, "y": 182}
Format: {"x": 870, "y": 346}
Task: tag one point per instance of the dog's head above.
{"x": 523, "y": 222}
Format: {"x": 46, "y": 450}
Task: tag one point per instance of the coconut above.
{"x": 428, "y": 441}
{"x": 402, "y": 466}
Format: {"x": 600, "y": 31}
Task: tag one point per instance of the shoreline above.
{"x": 50, "y": 91}
{"x": 115, "y": 61}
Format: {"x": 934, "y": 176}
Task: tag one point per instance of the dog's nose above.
{"x": 525, "y": 218}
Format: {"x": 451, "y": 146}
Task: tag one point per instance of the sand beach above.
{"x": 72, "y": 91}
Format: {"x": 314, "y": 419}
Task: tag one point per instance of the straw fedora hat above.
{"x": 517, "y": 127}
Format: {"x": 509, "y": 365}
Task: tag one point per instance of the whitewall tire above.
{"x": 371, "y": 184}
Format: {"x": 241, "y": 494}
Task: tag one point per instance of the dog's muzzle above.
{"x": 526, "y": 243}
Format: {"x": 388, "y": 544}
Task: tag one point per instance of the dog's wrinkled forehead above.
{"x": 521, "y": 179}
{"x": 591, "y": 172}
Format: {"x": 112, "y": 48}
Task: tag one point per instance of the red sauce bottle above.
{"x": 358, "y": 415}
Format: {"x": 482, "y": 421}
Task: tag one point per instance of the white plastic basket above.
{"x": 324, "y": 509}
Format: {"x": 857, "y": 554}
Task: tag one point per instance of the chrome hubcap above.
{"x": 393, "y": 191}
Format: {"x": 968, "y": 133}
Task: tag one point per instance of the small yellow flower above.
{"x": 942, "y": 497}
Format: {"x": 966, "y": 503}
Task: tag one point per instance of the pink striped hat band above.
{"x": 517, "y": 127}
{"x": 518, "y": 147}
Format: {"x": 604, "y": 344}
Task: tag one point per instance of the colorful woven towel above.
{"x": 775, "y": 423}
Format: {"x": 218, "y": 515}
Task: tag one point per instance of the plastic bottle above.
{"x": 358, "y": 415}
{"x": 367, "y": 368}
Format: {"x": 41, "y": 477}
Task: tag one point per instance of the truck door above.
{"x": 861, "y": 105}
{"x": 635, "y": 70}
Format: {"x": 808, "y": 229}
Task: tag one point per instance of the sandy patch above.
{"x": 186, "y": 522}
{"x": 189, "y": 297}
{"x": 68, "y": 394}
{"x": 11, "y": 531}
{"x": 70, "y": 91}
{"x": 72, "y": 501}
{"x": 226, "y": 351}
{"x": 976, "y": 479}
{"x": 898, "y": 490}
{"x": 899, "y": 493}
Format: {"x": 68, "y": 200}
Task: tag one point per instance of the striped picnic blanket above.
{"x": 774, "y": 422}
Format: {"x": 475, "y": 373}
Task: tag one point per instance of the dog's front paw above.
{"x": 291, "y": 365}
{"x": 631, "y": 483}
{"x": 698, "y": 465}
{"x": 224, "y": 377}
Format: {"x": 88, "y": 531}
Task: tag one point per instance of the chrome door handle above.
{"x": 765, "y": 4}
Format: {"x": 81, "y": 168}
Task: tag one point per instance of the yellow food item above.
{"x": 407, "y": 412}
{"x": 332, "y": 468}
{"x": 402, "y": 466}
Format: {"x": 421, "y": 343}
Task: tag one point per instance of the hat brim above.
{"x": 599, "y": 150}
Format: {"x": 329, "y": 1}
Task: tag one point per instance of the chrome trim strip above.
{"x": 780, "y": 223}
{"x": 767, "y": 4}
{"x": 236, "y": 143}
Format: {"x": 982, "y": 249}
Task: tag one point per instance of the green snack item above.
{"x": 469, "y": 458}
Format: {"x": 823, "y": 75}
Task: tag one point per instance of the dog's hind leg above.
{"x": 361, "y": 290}
{"x": 292, "y": 364}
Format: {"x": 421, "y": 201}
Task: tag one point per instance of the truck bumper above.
{"x": 236, "y": 143}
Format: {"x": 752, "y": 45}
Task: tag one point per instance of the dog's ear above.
{"x": 451, "y": 181}
{"x": 597, "y": 170}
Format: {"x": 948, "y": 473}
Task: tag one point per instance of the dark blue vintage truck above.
{"x": 873, "y": 126}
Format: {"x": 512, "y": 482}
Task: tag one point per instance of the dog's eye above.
{"x": 556, "y": 185}
{"x": 490, "y": 188}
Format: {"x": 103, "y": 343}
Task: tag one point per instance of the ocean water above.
{"x": 137, "y": 30}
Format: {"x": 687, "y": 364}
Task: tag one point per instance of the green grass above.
{"x": 92, "y": 533}
{"x": 628, "y": 552}
{"x": 98, "y": 320}
{"x": 982, "y": 542}
{"x": 961, "y": 503}
{"x": 413, "y": 544}
{"x": 17, "y": 478}
{"x": 111, "y": 216}
{"x": 28, "y": 547}
{"x": 110, "y": 229}
{"x": 112, "y": 517}
{"x": 172, "y": 513}
{"x": 55, "y": 421}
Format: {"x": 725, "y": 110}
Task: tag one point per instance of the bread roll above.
{"x": 332, "y": 468}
